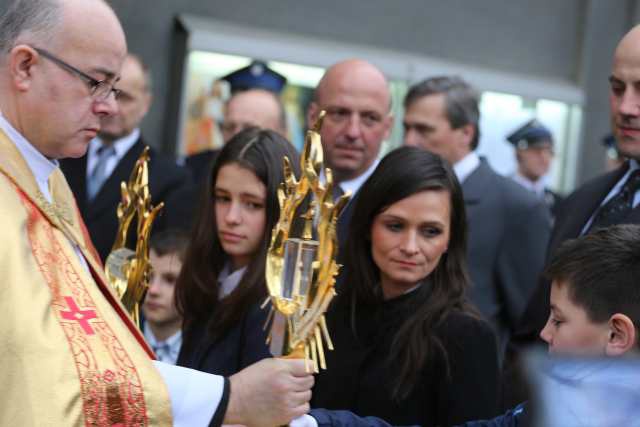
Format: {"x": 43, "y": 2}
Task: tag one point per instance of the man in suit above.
{"x": 95, "y": 177}
{"x": 533, "y": 143}
{"x": 355, "y": 94}
{"x": 508, "y": 226}
{"x": 611, "y": 198}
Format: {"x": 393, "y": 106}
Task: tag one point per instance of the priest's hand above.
{"x": 269, "y": 393}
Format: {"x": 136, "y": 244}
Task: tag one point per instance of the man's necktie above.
{"x": 99, "y": 174}
{"x": 162, "y": 351}
{"x": 619, "y": 206}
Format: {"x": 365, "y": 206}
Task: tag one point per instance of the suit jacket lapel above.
{"x": 584, "y": 206}
{"x": 476, "y": 184}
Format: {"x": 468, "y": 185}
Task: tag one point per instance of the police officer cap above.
{"x": 255, "y": 76}
{"x": 531, "y": 134}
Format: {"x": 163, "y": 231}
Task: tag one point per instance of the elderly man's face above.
{"x": 255, "y": 107}
{"x": 357, "y": 101}
{"x": 624, "y": 95}
{"x": 62, "y": 114}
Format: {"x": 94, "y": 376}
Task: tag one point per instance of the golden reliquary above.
{"x": 301, "y": 269}
{"x": 128, "y": 271}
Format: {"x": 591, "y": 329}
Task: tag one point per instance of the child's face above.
{"x": 239, "y": 202}
{"x": 159, "y": 307}
{"x": 569, "y": 330}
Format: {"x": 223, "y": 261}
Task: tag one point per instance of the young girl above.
{"x": 222, "y": 282}
{"x": 408, "y": 347}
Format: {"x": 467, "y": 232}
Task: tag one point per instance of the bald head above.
{"x": 629, "y": 41}
{"x": 40, "y": 22}
{"x": 56, "y": 108}
{"x": 80, "y": 20}
{"x": 624, "y": 94}
{"x": 356, "y": 96}
{"x": 253, "y": 107}
{"x": 339, "y": 75}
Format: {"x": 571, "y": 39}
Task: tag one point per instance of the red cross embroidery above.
{"x": 81, "y": 316}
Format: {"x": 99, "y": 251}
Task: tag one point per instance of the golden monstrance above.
{"x": 301, "y": 269}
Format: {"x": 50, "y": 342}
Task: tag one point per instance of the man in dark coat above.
{"x": 95, "y": 177}
{"x": 611, "y": 198}
{"x": 508, "y": 226}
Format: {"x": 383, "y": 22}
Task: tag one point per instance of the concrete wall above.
{"x": 568, "y": 40}
{"x": 540, "y": 38}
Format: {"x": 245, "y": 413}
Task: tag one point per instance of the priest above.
{"x": 71, "y": 355}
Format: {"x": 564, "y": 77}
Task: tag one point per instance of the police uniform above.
{"x": 534, "y": 134}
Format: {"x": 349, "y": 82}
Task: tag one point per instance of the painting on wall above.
{"x": 206, "y": 92}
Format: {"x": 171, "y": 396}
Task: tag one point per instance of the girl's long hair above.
{"x": 197, "y": 288}
{"x": 402, "y": 173}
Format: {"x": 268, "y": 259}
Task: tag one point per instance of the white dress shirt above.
{"x": 536, "y": 187}
{"x": 353, "y": 185}
{"x": 465, "y": 166}
{"x": 121, "y": 146}
{"x": 166, "y": 351}
{"x": 229, "y": 280}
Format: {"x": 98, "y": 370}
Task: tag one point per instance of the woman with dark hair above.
{"x": 409, "y": 348}
{"x": 222, "y": 282}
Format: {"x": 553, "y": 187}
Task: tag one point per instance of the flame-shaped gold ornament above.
{"x": 128, "y": 271}
{"x": 301, "y": 270}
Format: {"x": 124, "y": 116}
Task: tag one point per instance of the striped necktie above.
{"x": 99, "y": 174}
{"x": 619, "y": 206}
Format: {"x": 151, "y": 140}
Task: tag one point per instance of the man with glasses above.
{"x": 99, "y": 89}
{"x": 95, "y": 178}
{"x": 70, "y": 354}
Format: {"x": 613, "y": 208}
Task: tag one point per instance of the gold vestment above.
{"x": 69, "y": 353}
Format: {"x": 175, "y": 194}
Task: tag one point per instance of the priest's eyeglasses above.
{"x": 99, "y": 89}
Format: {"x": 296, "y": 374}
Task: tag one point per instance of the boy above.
{"x": 163, "y": 324}
{"x": 595, "y": 294}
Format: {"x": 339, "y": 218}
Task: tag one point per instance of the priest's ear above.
{"x": 622, "y": 335}
{"x": 22, "y": 60}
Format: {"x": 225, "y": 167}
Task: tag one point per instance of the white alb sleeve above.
{"x": 195, "y": 395}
